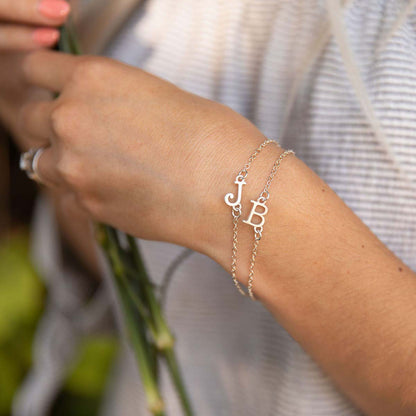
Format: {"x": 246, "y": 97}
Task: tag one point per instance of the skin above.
{"x": 153, "y": 160}
{"x": 132, "y": 150}
{"x": 27, "y": 24}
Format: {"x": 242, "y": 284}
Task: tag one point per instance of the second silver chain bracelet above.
{"x": 258, "y": 227}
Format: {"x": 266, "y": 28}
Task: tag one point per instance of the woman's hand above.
{"x": 30, "y": 24}
{"x": 15, "y": 92}
{"x": 136, "y": 151}
{"x": 24, "y": 25}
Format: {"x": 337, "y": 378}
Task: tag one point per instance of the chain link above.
{"x": 252, "y": 263}
{"x": 263, "y": 197}
{"x": 236, "y": 216}
{"x": 244, "y": 172}
{"x": 273, "y": 172}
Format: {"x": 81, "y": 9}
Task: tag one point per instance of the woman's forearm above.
{"x": 332, "y": 284}
{"x": 156, "y": 161}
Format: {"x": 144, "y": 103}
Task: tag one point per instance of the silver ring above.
{"x": 29, "y": 163}
{"x": 35, "y": 161}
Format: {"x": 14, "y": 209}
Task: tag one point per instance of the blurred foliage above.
{"x": 89, "y": 373}
{"x": 21, "y": 302}
{"x": 22, "y": 296}
{"x": 87, "y": 379}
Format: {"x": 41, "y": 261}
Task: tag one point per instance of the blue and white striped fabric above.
{"x": 251, "y": 55}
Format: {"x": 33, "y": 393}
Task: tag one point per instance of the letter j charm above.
{"x": 239, "y": 181}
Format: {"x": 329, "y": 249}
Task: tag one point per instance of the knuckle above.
{"x": 63, "y": 118}
{"x": 88, "y": 69}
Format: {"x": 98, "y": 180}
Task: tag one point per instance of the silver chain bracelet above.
{"x": 258, "y": 227}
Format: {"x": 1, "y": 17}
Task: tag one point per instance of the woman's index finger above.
{"x": 49, "y": 69}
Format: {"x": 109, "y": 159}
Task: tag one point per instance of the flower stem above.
{"x": 177, "y": 380}
{"x": 165, "y": 344}
{"x": 135, "y": 324}
{"x": 67, "y": 41}
{"x": 165, "y": 338}
{"x": 144, "y": 357}
{"x": 142, "y": 310}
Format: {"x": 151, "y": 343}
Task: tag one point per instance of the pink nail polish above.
{"x": 54, "y": 9}
{"x": 45, "y": 36}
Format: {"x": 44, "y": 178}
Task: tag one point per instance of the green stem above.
{"x": 143, "y": 349}
{"x": 165, "y": 338}
{"x": 143, "y": 356}
{"x": 116, "y": 254}
{"x": 140, "y": 310}
{"x": 177, "y": 380}
{"x": 67, "y": 40}
{"x": 156, "y": 312}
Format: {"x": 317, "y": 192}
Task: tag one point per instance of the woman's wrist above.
{"x": 309, "y": 230}
{"x": 313, "y": 239}
{"x": 214, "y": 228}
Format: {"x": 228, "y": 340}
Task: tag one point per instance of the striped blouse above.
{"x": 336, "y": 85}
{"x": 278, "y": 63}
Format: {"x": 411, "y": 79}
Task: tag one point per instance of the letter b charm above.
{"x": 254, "y": 212}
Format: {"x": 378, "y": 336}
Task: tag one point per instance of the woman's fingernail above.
{"x": 54, "y": 9}
{"x": 45, "y": 36}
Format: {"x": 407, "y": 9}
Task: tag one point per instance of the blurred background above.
{"x": 23, "y": 298}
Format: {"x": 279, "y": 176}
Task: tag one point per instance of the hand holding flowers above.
{"x": 136, "y": 151}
